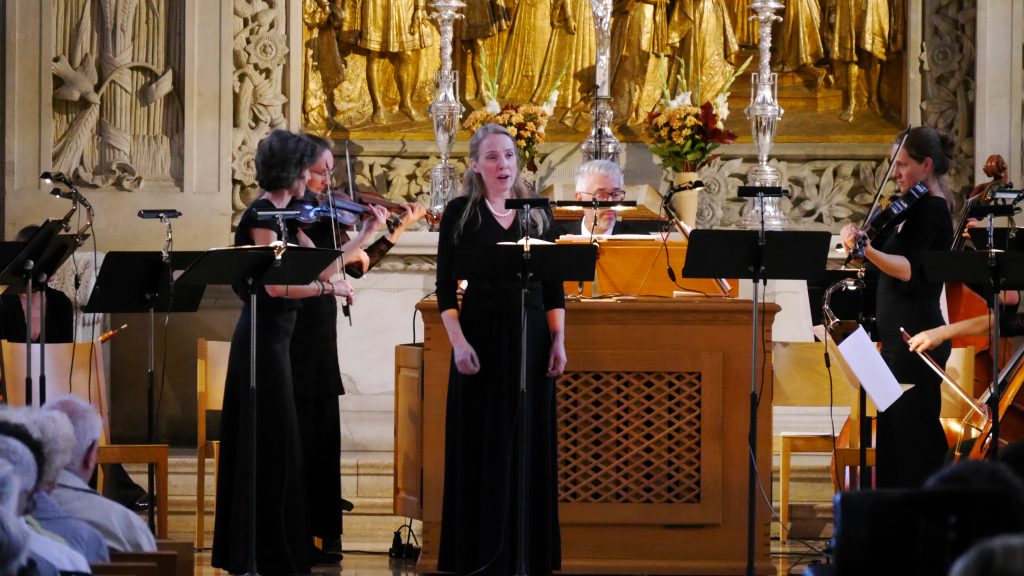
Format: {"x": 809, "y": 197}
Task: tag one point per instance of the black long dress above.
{"x": 316, "y": 376}
{"x": 481, "y": 442}
{"x": 282, "y": 530}
{"x": 910, "y": 443}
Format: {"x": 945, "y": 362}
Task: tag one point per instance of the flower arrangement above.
{"x": 683, "y": 135}
{"x": 524, "y": 122}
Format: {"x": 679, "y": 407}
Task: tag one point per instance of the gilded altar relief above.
{"x": 117, "y": 115}
{"x": 369, "y": 64}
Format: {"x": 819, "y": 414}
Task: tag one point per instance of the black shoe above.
{"x": 347, "y": 505}
{"x": 319, "y": 557}
{"x": 143, "y": 503}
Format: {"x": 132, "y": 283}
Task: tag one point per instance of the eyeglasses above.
{"x": 612, "y": 196}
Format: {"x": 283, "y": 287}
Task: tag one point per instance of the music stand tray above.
{"x": 131, "y": 282}
{"x": 47, "y": 249}
{"x": 974, "y": 267}
{"x": 788, "y": 255}
{"x": 503, "y": 262}
{"x": 236, "y": 265}
{"x": 1001, "y": 241}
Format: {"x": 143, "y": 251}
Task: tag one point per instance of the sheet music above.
{"x": 866, "y": 362}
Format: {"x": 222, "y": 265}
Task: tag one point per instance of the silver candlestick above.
{"x": 764, "y": 113}
{"x": 445, "y": 109}
{"x": 601, "y": 143}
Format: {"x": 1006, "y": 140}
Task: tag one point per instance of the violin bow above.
{"x": 345, "y": 310}
{"x": 888, "y": 174}
{"x": 881, "y": 186}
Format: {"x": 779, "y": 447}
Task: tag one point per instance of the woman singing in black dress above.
{"x": 910, "y": 442}
{"x": 478, "y": 532}
{"x": 282, "y": 530}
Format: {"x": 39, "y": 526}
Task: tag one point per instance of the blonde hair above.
{"x": 473, "y": 186}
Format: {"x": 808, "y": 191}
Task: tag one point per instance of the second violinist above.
{"x": 910, "y": 442}
{"x": 314, "y": 351}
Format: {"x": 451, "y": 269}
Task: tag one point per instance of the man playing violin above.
{"x": 314, "y": 351}
{"x": 910, "y": 443}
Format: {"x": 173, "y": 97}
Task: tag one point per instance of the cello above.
{"x": 961, "y": 301}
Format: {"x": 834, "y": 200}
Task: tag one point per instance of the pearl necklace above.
{"x": 497, "y": 214}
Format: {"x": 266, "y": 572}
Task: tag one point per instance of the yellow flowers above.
{"x": 524, "y": 123}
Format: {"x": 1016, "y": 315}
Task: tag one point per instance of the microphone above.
{"x": 110, "y": 333}
{"x": 163, "y": 213}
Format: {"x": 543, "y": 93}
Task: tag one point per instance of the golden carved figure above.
{"x": 484, "y": 19}
{"x": 702, "y": 35}
{"x": 861, "y": 33}
{"x": 527, "y": 35}
{"x": 571, "y": 52}
{"x": 639, "y": 29}
{"x": 323, "y": 65}
{"x": 799, "y": 47}
{"x": 393, "y": 30}
{"x": 744, "y": 28}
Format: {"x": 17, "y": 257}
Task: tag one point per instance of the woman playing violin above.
{"x": 910, "y": 442}
{"x": 314, "y": 351}
{"x": 283, "y": 160}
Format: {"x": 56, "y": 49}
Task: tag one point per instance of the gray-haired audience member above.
{"x": 54, "y": 432}
{"x": 122, "y": 529}
{"x": 13, "y": 533}
{"x": 997, "y": 556}
{"x": 26, "y": 463}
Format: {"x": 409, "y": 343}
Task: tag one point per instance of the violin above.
{"x": 885, "y": 218}
{"x": 343, "y": 212}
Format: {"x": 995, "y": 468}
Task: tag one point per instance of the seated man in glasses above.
{"x": 599, "y": 180}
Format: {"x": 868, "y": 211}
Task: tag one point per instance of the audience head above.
{"x": 1001, "y": 555}
{"x": 26, "y": 233}
{"x": 13, "y": 533}
{"x": 282, "y": 161}
{"x": 320, "y": 172}
{"x": 986, "y": 475}
{"x": 88, "y": 429}
{"x": 57, "y": 437}
{"x": 25, "y": 455}
{"x": 599, "y": 180}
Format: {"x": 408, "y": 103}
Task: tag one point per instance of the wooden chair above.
{"x": 166, "y": 560}
{"x": 186, "y": 555}
{"x": 211, "y": 371}
{"x": 78, "y": 369}
{"x": 125, "y": 569}
{"x": 801, "y": 380}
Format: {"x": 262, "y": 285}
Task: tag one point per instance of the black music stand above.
{"x": 255, "y": 267}
{"x": 1001, "y": 238}
{"x": 758, "y": 255}
{"x": 516, "y": 263}
{"x": 134, "y": 282}
{"x": 28, "y": 270}
{"x": 996, "y": 270}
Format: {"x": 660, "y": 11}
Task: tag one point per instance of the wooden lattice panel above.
{"x": 629, "y": 437}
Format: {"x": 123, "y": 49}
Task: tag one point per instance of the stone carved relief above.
{"x": 260, "y": 51}
{"x": 117, "y": 118}
{"x": 825, "y": 194}
{"x": 947, "y": 74}
{"x": 398, "y": 178}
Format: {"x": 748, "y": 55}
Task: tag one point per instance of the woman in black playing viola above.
{"x": 910, "y": 443}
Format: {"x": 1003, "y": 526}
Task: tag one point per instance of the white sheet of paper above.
{"x": 867, "y": 364}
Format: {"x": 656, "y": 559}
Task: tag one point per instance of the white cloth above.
{"x": 60, "y": 555}
{"x": 123, "y": 530}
